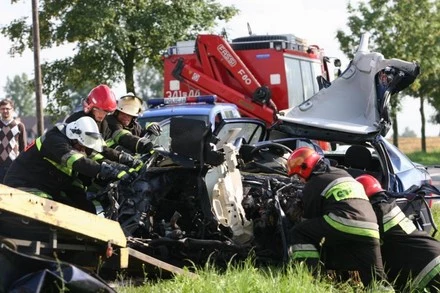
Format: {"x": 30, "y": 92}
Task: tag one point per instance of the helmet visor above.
{"x": 93, "y": 140}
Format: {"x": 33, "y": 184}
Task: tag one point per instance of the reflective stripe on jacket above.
{"x": 67, "y": 159}
{"x": 397, "y": 217}
{"x": 116, "y": 136}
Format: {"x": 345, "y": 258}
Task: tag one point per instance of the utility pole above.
{"x": 37, "y": 68}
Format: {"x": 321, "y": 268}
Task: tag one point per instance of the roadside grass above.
{"x": 246, "y": 277}
{"x": 411, "y": 146}
{"x": 426, "y": 159}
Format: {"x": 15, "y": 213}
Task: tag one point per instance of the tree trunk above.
{"x": 422, "y": 130}
{"x": 129, "y": 76}
{"x": 129, "y": 70}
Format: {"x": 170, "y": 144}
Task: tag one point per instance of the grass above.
{"x": 411, "y": 146}
{"x": 427, "y": 159}
{"x": 247, "y": 278}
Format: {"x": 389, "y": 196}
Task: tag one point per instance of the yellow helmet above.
{"x": 130, "y": 105}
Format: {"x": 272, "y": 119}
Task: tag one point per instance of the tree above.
{"x": 150, "y": 82}
{"x": 77, "y": 95}
{"x": 21, "y": 90}
{"x": 111, "y": 38}
{"x": 404, "y": 29}
{"x": 408, "y": 133}
{"x": 435, "y": 119}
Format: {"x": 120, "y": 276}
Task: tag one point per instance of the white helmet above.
{"x": 86, "y": 131}
{"x": 130, "y": 104}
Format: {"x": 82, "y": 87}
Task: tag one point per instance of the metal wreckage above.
{"x": 184, "y": 208}
{"x": 174, "y": 212}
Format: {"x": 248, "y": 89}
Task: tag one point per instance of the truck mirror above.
{"x": 337, "y": 63}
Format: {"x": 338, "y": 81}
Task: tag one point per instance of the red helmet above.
{"x": 302, "y": 161}
{"x": 101, "y": 97}
{"x": 371, "y": 184}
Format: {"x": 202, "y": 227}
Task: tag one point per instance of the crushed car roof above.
{"x": 352, "y": 108}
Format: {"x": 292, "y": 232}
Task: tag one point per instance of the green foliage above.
{"x": 21, "y": 90}
{"x": 149, "y": 81}
{"x": 404, "y": 29}
{"x": 111, "y": 38}
{"x": 435, "y": 119}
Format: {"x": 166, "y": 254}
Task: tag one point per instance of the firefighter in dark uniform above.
{"x": 337, "y": 217}
{"x": 126, "y": 133}
{"x": 55, "y": 162}
{"x": 100, "y": 102}
{"x": 411, "y": 257}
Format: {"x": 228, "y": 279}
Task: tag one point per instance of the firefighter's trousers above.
{"x": 315, "y": 239}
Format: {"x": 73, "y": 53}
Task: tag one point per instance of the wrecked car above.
{"x": 168, "y": 212}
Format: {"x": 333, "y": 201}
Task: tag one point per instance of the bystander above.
{"x": 13, "y": 138}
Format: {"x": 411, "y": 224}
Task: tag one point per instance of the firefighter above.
{"x": 56, "y": 161}
{"x": 411, "y": 257}
{"x": 100, "y": 102}
{"x": 126, "y": 132}
{"x": 337, "y": 216}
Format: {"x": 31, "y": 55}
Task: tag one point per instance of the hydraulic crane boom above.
{"x": 215, "y": 54}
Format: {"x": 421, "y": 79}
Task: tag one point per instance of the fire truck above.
{"x": 258, "y": 73}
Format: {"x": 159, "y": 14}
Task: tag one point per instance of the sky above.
{"x": 317, "y": 21}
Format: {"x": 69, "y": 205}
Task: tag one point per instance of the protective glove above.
{"x": 130, "y": 161}
{"x": 108, "y": 173}
{"x": 137, "y": 165}
{"x": 119, "y": 166}
{"x": 153, "y": 128}
{"x": 144, "y": 146}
